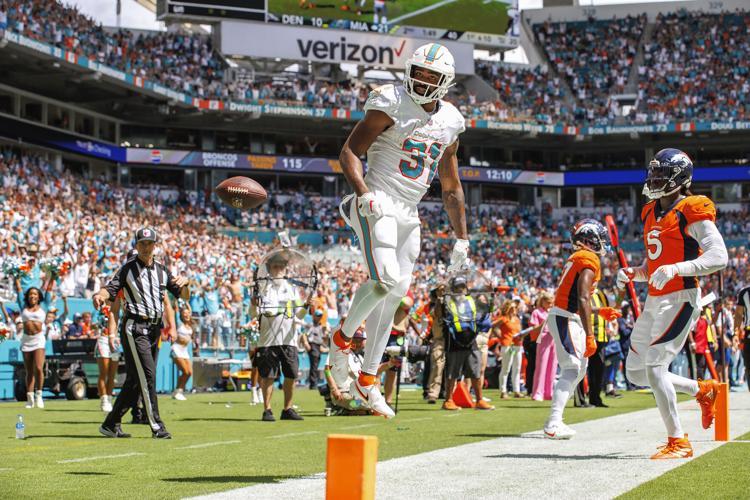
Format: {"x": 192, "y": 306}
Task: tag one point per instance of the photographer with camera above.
{"x": 463, "y": 322}
{"x": 437, "y": 353}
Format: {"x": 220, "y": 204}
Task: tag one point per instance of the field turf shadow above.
{"x": 228, "y": 479}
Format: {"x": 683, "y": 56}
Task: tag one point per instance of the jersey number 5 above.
{"x": 419, "y": 154}
{"x": 653, "y": 244}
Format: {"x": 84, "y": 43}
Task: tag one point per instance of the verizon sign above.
{"x": 332, "y": 46}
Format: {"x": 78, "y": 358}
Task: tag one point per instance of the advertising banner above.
{"x": 331, "y": 46}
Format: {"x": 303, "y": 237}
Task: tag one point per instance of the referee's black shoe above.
{"x": 290, "y": 414}
{"x": 268, "y": 416}
{"x": 114, "y": 431}
{"x": 161, "y": 434}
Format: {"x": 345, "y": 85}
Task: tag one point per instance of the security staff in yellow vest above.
{"x": 596, "y": 362}
{"x": 462, "y": 324}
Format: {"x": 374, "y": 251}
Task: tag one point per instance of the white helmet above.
{"x": 433, "y": 57}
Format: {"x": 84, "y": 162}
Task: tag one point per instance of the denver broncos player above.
{"x": 574, "y": 339}
{"x": 409, "y": 134}
{"x": 682, "y": 243}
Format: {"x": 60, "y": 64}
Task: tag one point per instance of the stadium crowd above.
{"x": 594, "y": 57}
{"x": 695, "y": 68}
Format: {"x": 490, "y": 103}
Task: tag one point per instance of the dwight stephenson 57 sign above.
{"x": 331, "y": 46}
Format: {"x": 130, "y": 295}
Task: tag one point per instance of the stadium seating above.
{"x": 696, "y": 67}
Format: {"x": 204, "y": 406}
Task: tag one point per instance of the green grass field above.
{"x": 217, "y": 448}
{"x": 719, "y": 474}
{"x": 461, "y": 15}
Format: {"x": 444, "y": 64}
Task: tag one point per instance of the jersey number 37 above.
{"x": 422, "y": 157}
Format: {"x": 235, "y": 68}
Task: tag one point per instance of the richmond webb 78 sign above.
{"x": 331, "y": 46}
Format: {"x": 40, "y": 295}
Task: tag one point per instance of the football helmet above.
{"x": 670, "y": 170}
{"x": 591, "y": 235}
{"x": 433, "y": 57}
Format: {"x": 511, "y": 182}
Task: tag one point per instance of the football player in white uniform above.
{"x": 409, "y": 134}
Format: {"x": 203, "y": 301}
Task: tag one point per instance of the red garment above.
{"x": 700, "y": 337}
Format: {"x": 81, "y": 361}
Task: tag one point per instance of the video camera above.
{"x": 412, "y": 353}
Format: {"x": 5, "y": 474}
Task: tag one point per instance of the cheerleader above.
{"x": 181, "y": 354}
{"x": 33, "y": 340}
{"x": 108, "y": 358}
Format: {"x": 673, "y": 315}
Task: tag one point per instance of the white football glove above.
{"x": 459, "y": 257}
{"x": 368, "y": 206}
{"x": 662, "y": 276}
{"x": 624, "y": 276}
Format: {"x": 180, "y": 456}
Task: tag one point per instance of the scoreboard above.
{"x": 249, "y": 10}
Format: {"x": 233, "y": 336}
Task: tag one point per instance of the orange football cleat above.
{"x": 450, "y": 405}
{"x": 675, "y": 448}
{"x": 706, "y": 397}
{"x": 483, "y": 405}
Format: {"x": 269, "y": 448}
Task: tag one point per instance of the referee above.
{"x": 742, "y": 325}
{"x": 143, "y": 281}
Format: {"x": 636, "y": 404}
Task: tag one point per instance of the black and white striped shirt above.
{"x": 143, "y": 288}
{"x": 743, "y": 299}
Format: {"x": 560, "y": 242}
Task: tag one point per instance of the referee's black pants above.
{"x": 140, "y": 343}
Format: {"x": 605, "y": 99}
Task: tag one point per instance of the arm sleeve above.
{"x": 115, "y": 284}
{"x": 714, "y": 257}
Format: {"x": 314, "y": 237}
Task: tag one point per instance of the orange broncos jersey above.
{"x": 667, "y": 240}
{"x": 567, "y": 291}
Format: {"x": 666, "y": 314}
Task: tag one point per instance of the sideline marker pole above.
{"x": 350, "y": 467}
{"x": 721, "y": 420}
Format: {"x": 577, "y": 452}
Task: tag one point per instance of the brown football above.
{"x": 241, "y": 192}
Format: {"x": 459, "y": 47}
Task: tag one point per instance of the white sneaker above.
{"x": 106, "y": 404}
{"x": 29, "y": 400}
{"x": 486, "y": 399}
{"x": 39, "y": 400}
{"x": 558, "y": 431}
{"x": 256, "y": 397}
{"x": 371, "y": 398}
{"x": 179, "y": 395}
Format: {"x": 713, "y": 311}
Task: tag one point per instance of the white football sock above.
{"x": 666, "y": 398}
{"x": 378, "y": 329}
{"x": 366, "y": 298}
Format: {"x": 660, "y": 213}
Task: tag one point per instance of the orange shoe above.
{"x": 675, "y": 448}
{"x": 706, "y": 397}
{"x": 450, "y": 405}
{"x": 483, "y": 405}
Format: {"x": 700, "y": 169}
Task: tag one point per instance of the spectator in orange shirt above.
{"x": 510, "y": 349}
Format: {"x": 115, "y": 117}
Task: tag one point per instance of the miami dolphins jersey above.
{"x": 404, "y": 159}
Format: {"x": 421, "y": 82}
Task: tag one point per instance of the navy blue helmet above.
{"x": 591, "y": 235}
{"x": 670, "y": 170}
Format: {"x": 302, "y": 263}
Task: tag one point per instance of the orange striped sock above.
{"x": 341, "y": 341}
{"x": 365, "y": 379}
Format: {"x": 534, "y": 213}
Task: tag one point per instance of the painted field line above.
{"x": 451, "y": 415}
{"x": 416, "y": 419}
{"x": 434, "y": 6}
{"x": 293, "y": 434}
{"x": 361, "y": 426}
{"x": 208, "y": 445}
{"x": 99, "y": 457}
{"x": 5, "y": 469}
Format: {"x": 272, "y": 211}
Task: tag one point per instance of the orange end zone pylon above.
{"x": 350, "y": 467}
{"x": 721, "y": 419}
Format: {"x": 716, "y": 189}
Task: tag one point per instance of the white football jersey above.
{"x": 404, "y": 159}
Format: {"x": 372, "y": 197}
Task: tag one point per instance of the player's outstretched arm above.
{"x": 361, "y": 138}
{"x": 714, "y": 257}
{"x": 453, "y": 193}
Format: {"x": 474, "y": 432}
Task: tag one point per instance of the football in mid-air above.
{"x": 241, "y": 192}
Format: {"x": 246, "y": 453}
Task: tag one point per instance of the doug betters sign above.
{"x": 332, "y": 46}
